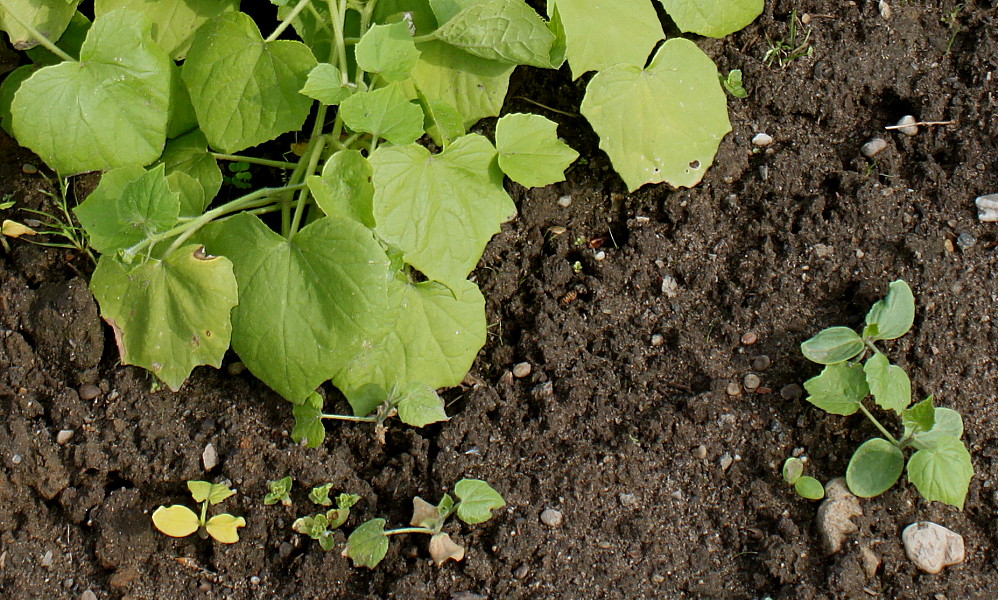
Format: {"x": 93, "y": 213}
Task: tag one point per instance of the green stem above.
{"x": 313, "y": 161}
{"x": 280, "y": 164}
{"x": 44, "y": 41}
{"x": 337, "y": 18}
{"x": 287, "y": 21}
{"x": 350, "y": 418}
{"x": 873, "y": 419}
{"x": 429, "y": 37}
{"x": 204, "y": 513}
{"x": 410, "y": 530}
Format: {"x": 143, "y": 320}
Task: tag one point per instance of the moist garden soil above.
{"x": 667, "y": 485}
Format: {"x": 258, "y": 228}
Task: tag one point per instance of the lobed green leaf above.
{"x": 368, "y": 544}
{"x": 176, "y": 20}
{"x": 894, "y": 314}
{"x": 947, "y": 425}
{"x": 308, "y": 422}
{"x": 530, "y": 152}
{"x": 600, "y": 35}
{"x": 345, "y": 189}
{"x": 387, "y": 50}
{"x": 48, "y": 17}
{"x": 943, "y": 472}
{"x": 839, "y": 389}
{"x": 888, "y": 383}
{"x": 385, "y": 112}
{"x": 188, "y": 154}
{"x": 919, "y": 418}
{"x": 326, "y": 84}
{"x": 712, "y": 18}
{"x": 420, "y": 405}
{"x": 501, "y": 30}
{"x": 478, "y": 500}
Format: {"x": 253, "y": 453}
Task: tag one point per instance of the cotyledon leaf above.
{"x": 107, "y": 110}
{"x": 168, "y": 316}
{"x": 662, "y": 123}
{"x": 307, "y": 305}
{"x": 245, "y": 90}
{"x": 712, "y": 18}
{"x": 48, "y": 17}
{"x": 604, "y": 34}
{"x": 175, "y": 21}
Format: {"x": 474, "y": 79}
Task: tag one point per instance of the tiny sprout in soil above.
{"x": 368, "y": 544}
{"x": 855, "y": 368}
{"x": 320, "y": 526}
{"x": 805, "y": 486}
{"x": 733, "y": 83}
{"x": 180, "y": 521}
{"x": 279, "y": 491}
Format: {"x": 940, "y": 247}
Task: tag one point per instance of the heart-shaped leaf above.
{"x": 225, "y": 528}
{"x": 478, "y": 500}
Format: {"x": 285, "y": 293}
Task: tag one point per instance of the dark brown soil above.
{"x": 608, "y": 427}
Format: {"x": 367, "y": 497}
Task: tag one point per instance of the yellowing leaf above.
{"x": 14, "y": 229}
{"x": 443, "y": 548}
{"x": 224, "y": 528}
{"x": 175, "y": 521}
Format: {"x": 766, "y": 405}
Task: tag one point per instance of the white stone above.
{"x": 987, "y": 208}
{"x": 907, "y": 125}
{"x": 873, "y": 147}
{"x": 565, "y": 201}
{"x": 932, "y": 547}
{"x": 209, "y": 457}
{"x": 762, "y": 140}
{"x": 551, "y": 517}
{"x": 835, "y": 515}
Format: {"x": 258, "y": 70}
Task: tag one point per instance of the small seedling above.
{"x": 279, "y": 491}
{"x": 320, "y": 527}
{"x": 733, "y": 83}
{"x": 241, "y": 177}
{"x": 417, "y": 405}
{"x": 788, "y": 50}
{"x": 368, "y": 544}
{"x": 179, "y": 521}
{"x": 855, "y": 368}
{"x": 805, "y": 486}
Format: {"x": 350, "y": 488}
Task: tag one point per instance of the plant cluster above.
{"x": 355, "y": 269}
{"x": 855, "y": 369}
{"x": 179, "y": 521}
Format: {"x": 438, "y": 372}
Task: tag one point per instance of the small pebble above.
{"x": 948, "y": 245}
{"x": 600, "y": 255}
{"x": 791, "y": 392}
{"x": 29, "y": 169}
{"x": 16, "y": 459}
{"x": 62, "y": 438}
{"x": 254, "y": 580}
{"x": 733, "y": 389}
{"x": 521, "y": 572}
{"x": 670, "y": 287}
{"x": 885, "y": 10}
{"x": 700, "y": 451}
{"x": 209, "y": 457}
{"x": 627, "y": 499}
{"x": 749, "y": 338}
{"x": 761, "y": 363}
{"x": 551, "y": 517}
{"x": 822, "y": 250}
{"x": 88, "y": 595}
{"x": 751, "y": 382}
{"x": 657, "y": 339}
{"x": 965, "y": 241}
{"x": 726, "y": 461}
{"x": 89, "y": 391}
{"x": 932, "y": 547}
{"x": 285, "y": 550}
{"x": 543, "y": 390}
{"x": 907, "y": 125}
{"x": 871, "y": 562}
{"x": 764, "y": 172}
{"x": 656, "y": 578}
{"x": 603, "y": 545}
{"x": 565, "y": 201}
{"x": 521, "y": 370}
{"x": 762, "y": 140}
{"x": 47, "y": 560}
{"x": 987, "y": 208}
{"x": 873, "y": 147}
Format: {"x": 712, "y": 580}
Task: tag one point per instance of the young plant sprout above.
{"x": 855, "y": 368}
{"x": 180, "y": 521}
{"x": 805, "y": 486}
{"x": 368, "y": 544}
{"x": 279, "y": 491}
{"x": 320, "y": 526}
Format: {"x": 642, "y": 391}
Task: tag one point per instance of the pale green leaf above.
{"x": 712, "y": 18}
{"x": 501, "y": 30}
{"x": 48, "y": 17}
{"x": 433, "y": 340}
{"x": 474, "y": 86}
{"x": 478, "y": 500}
{"x": 225, "y": 528}
{"x": 308, "y": 422}
{"x": 200, "y": 490}
{"x": 440, "y": 120}
{"x": 810, "y": 488}
{"x": 530, "y": 152}
{"x": 314, "y": 26}
{"x": 417, "y": 12}
{"x": 306, "y": 305}
{"x": 189, "y": 154}
{"x": 192, "y": 200}
{"x": 662, "y": 123}
{"x": 71, "y": 42}
{"x": 888, "y": 383}
{"x": 320, "y": 495}
{"x": 176, "y": 521}
{"x": 603, "y": 34}
{"x": 212, "y": 492}
{"x": 948, "y": 424}
{"x": 72, "y": 116}
{"x": 419, "y": 405}
{"x": 385, "y": 112}
{"x": 793, "y": 468}
{"x": 942, "y": 473}
{"x": 368, "y": 544}
{"x": 920, "y": 417}
{"x": 8, "y": 87}
{"x": 345, "y": 188}
{"x": 832, "y": 345}
{"x": 445, "y": 10}
{"x": 874, "y": 468}
{"x": 325, "y": 84}
{"x": 839, "y": 389}
{"x": 129, "y": 205}
{"x": 387, "y": 50}
{"x": 174, "y": 21}
{"x": 894, "y": 314}
{"x": 182, "y": 118}
{"x": 278, "y": 491}
{"x": 168, "y": 316}
{"x": 421, "y": 199}
{"x": 245, "y": 90}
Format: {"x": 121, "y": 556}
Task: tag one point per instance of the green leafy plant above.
{"x": 179, "y": 521}
{"x": 279, "y": 491}
{"x": 368, "y": 544}
{"x": 733, "y": 83}
{"x": 855, "y": 369}
{"x": 805, "y": 486}
{"x": 789, "y": 49}
{"x": 355, "y": 269}
{"x": 320, "y": 526}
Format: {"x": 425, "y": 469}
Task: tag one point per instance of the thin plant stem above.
{"x": 280, "y": 164}
{"x": 313, "y": 161}
{"x": 873, "y": 419}
{"x": 402, "y": 530}
{"x": 287, "y": 21}
{"x": 351, "y": 418}
{"x": 41, "y": 39}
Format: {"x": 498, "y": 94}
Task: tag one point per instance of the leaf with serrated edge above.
{"x": 874, "y": 468}
{"x": 385, "y": 112}
{"x": 306, "y": 305}
{"x": 888, "y": 383}
{"x": 500, "y": 30}
{"x": 225, "y": 528}
{"x": 245, "y": 90}
{"x": 603, "y": 34}
{"x": 832, "y": 345}
{"x": 49, "y": 17}
{"x": 176, "y": 20}
{"x": 434, "y": 337}
{"x": 478, "y": 499}
{"x": 712, "y": 18}
{"x": 894, "y": 314}
{"x": 387, "y": 50}
{"x": 530, "y": 152}
{"x": 420, "y": 405}
{"x": 920, "y": 417}
{"x": 176, "y": 521}
{"x": 839, "y": 389}
{"x": 368, "y": 544}
{"x": 420, "y": 199}
{"x": 662, "y": 123}
{"x": 76, "y": 121}
{"x": 943, "y": 473}
{"x": 168, "y": 316}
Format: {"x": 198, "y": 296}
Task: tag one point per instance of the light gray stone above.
{"x": 932, "y": 547}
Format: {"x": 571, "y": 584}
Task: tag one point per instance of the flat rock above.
{"x": 835, "y": 515}
{"x": 932, "y": 547}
